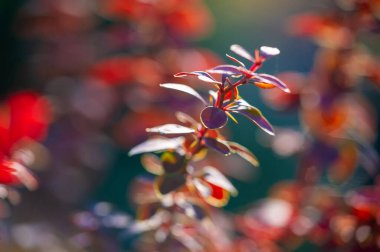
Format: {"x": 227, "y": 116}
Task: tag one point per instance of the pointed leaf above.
{"x": 270, "y": 79}
{"x": 201, "y": 75}
{"x": 218, "y": 145}
{"x": 170, "y": 129}
{"x": 235, "y": 60}
{"x": 244, "y": 153}
{"x": 215, "y": 177}
{"x": 168, "y": 183}
{"x": 239, "y": 50}
{"x": 156, "y": 144}
{"x": 213, "y": 118}
{"x": 225, "y": 69}
{"x": 255, "y": 116}
{"x": 184, "y": 88}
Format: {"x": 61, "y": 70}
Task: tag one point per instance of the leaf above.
{"x": 244, "y": 153}
{"x": 156, "y": 144}
{"x": 225, "y": 69}
{"x": 215, "y": 177}
{"x": 235, "y": 60}
{"x": 184, "y": 88}
{"x": 255, "y": 116}
{"x": 267, "y": 51}
{"x": 168, "y": 129}
{"x": 172, "y": 161}
{"x": 168, "y": 183}
{"x": 201, "y": 75}
{"x": 270, "y": 79}
{"x": 152, "y": 164}
{"x": 213, "y": 117}
{"x": 218, "y": 145}
{"x": 185, "y": 118}
{"x": 239, "y": 50}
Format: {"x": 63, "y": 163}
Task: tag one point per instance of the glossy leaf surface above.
{"x": 255, "y": 116}
{"x": 239, "y": 50}
{"x": 218, "y": 145}
{"x": 244, "y": 153}
{"x": 184, "y": 88}
{"x": 201, "y": 75}
{"x": 267, "y": 51}
{"x": 170, "y": 129}
{"x": 225, "y": 69}
{"x": 270, "y": 79}
{"x": 156, "y": 144}
{"x": 215, "y": 177}
{"x": 213, "y": 118}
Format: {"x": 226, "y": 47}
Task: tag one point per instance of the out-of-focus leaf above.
{"x": 244, "y": 153}
{"x": 267, "y": 51}
{"x": 213, "y": 97}
{"x": 219, "y": 197}
{"x": 184, "y": 88}
{"x": 255, "y": 116}
{"x": 343, "y": 168}
{"x": 14, "y": 173}
{"x": 169, "y": 182}
{"x": 201, "y": 75}
{"x": 215, "y": 177}
{"x": 156, "y": 144}
{"x": 232, "y": 117}
{"x": 185, "y": 118}
{"x": 203, "y": 188}
{"x": 218, "y": 145}
{"x": 213, "y": 117}
{"x": 239, "y": 50}
{"x": 172, "y": 161}
{"x": 225, "y": 69}
{"x": 171, "y": 129}
{"x": 152, "y": 164}
{"x": 191, "y": 209}
{"x": 235, "y": 60}
{"x": 268, "y": 79}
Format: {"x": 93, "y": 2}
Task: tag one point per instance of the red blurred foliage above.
{"x": 186, "y": 18}
{"x": 25, "y": 116}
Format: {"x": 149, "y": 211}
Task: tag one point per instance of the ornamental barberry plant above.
{"x": 182, "y": 190}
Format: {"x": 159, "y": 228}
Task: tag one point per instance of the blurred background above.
{"x": 99, "y": 63}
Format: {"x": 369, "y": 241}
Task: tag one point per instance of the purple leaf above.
{"x": 255, "y": 116}
{"x": 184, "y": 88}
{"x": 201, "y": 75}
{"x": 170, "y": 129}
{"x": 267, "y": 51}
{"x": 244, "y": 153}
{"x": 266, "y": 78}
{"x": 156, "y": 144}
{"x": 213, "y": 176}
{"x": 213, "y": 118}
{"x": 172, "y": 162}
{"x": 239, "y": 50}
{"x": 168, "y": 183}
{"x": 225, "y": 69}
{"x": 218, "y": 145}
